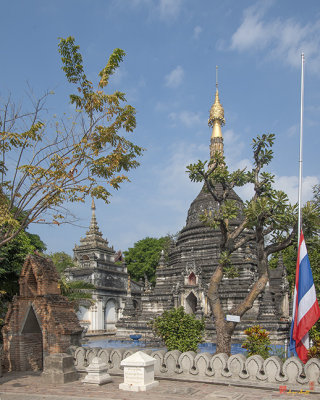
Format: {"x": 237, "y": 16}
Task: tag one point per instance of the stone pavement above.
{"x": 29, "y": 386}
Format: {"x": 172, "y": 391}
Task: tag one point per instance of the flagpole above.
{"x": 300, "y": 156}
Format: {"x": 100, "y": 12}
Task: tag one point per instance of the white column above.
{"x": 100, "y": 314}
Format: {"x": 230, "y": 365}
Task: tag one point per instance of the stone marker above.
{"x": 59, "y": 368}
{"x": 97, "y": 372}
{"x": 138, "y": 372}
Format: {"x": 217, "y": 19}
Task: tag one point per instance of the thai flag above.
{"x": 306, "y": 311}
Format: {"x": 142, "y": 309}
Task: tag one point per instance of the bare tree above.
{"x": 43, "y": 165}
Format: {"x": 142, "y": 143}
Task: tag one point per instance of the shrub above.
{"x": 178, "y": 330}
{"x": 257, "y": 342}
{"x": 314, "y": 351}
{"x": 279, "y": 352}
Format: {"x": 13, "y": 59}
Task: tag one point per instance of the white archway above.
{"x": 110, "y": 315}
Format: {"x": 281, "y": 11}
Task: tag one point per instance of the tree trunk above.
{"x": 224, "y": 330}
{"x": 224, "y": 333}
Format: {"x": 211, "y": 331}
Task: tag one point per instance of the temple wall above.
{"x": 219, "y": 368}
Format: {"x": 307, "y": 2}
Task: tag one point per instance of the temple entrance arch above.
{"x": 191, "y": 303}
{"x": 31, "y": 344}
{"x": 110, "y": 315}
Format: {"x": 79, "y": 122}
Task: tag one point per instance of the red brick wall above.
{"x": 31, "y": 356}
{"x": 50, "y": 327}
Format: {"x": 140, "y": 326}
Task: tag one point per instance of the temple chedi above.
{"x": 183, "y": 279}
{"x": 125, "y": 307}
{"x": 98, "y": 263}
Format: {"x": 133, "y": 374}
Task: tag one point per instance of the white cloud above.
{"x": 176, "y": 191}
{"x": 187, "y": 118}
{"x": 252, "y": 32}
{"x": 289, "y": 184}
{"x": 293, "y": 131}
{"x": 175, "y": 77}
{"x": 233, "y": 146}
{"x": 161, "y": 9}
{"x": 281, "y": 39}
{"x": 119, "y": 75}
{"x": 196, "y": 31}
{"x": 169, "y": 8}
{"x": 137, "y": 3}
{"x": 233, "y": 150}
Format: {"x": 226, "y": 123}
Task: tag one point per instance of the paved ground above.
{"x": 29, "y": 386}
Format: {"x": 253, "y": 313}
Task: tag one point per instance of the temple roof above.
{"x": 204, "y": 201}
{"x": 93, "y": 238}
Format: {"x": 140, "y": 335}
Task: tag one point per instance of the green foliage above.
{"x": 77, "y": 292}
{"x": 279, "y": 352}
{"x": 12, "y": 257}
{"x": 267, "y": 218}
{"x": 43, "y": 165}
{"x": 61, "y": 260}
{"x": 311, "y": 230}
{"x": 231, "y": 272}
{"x": 178, "y": 330}
{"x": 36, "y": 242}
{"x": 274, "y": 209}
{"x": 314, "y": 351}
{"x": 13, "y": 254}
{"x": 257, "y": 342}
{"x": 268, "y": 209}
{"x": 143, "y": 258}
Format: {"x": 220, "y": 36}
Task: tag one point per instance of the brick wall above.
{"x": 40, "y": 321}
{"x": 31, "y": 356}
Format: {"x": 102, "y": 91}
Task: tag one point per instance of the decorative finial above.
{"x": 216, "y": 121}
{"x": 216, "y": 77}
{"x": 216, "y": 113}
{"x": 93, "y": 229}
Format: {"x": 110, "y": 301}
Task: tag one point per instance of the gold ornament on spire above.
{"x": 216, "y": 111}
{"x": 216, "y": 121}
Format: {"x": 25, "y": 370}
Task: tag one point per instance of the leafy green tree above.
{"x": 142, "y": 259}
{"x": 36, "y": 242}
{"x": 61, "y": 260}
{"x": 77, "y": 292}
{"x": 311, "y": 226}
{"x": 268, "y": 219}
{"x": 179, "y": 330}
{"x": 12, "y": 256}
{"x": 43, "y": 165}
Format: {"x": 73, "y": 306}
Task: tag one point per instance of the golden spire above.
{"x": 216, "y": 121}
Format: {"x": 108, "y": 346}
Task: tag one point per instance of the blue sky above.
{"x": 172, "y": 48}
